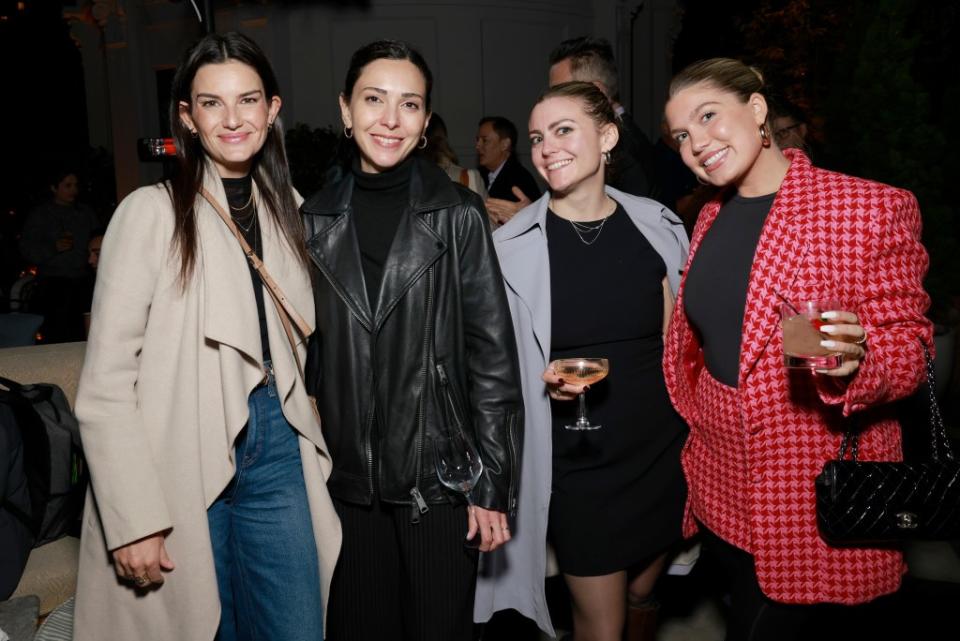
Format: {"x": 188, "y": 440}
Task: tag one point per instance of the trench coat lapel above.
{"x": 779, "y": 255}
{"x": 525, "y": 263}
{"x": 229, "y": 307}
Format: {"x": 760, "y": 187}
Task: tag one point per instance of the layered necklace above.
{"x": 589, "y": 232}
{"x": 244, "y": 220}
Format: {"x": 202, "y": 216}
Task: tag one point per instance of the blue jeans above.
{"x": 262, "y": 536}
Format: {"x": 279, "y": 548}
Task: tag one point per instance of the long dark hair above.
{"x": 270, "y": 170}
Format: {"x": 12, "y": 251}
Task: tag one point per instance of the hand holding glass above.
{"x": 582, "y": 371}
{"x": 801, "y": 335}
{"x": 458, "y": 467}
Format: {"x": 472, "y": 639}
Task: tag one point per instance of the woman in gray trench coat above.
{"x": 557, "y": 252}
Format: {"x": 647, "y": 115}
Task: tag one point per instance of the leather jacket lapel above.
{"x": 335, "y": 251}
{"x": 415, "y": 247}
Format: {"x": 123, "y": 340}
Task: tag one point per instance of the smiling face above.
{"x": 231, "y": 114}
{"x": 717, "y": 133}
{"x": 567, "y": 145}
{"x": 386, "y": 112}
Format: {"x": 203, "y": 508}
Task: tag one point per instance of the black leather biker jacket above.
{"x": 439, "y": 352}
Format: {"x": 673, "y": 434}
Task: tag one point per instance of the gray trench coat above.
{"x": 513, "y": 576}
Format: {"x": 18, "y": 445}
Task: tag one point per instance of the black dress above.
{"x": 618, "y": 492}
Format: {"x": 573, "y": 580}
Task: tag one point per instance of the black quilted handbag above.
{"x": 876, "y": 503}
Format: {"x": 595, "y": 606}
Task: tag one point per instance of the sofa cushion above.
{"x": 59, "y": 364}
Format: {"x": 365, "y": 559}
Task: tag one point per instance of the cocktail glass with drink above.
{"x": 582, "y": 371}
{"x": 801, "y": 325}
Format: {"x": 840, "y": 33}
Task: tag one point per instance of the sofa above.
{"x": 51, "y": 572}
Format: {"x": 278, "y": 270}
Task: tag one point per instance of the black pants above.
{"x": 401, "y": 580}
{"x": 755, "y": 617}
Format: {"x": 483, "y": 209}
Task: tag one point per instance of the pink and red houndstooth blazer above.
{"x": 827, "y": 236}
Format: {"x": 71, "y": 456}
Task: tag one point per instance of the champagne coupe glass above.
{"x": 582, "y": 371}
{"x": 458, "y": 467}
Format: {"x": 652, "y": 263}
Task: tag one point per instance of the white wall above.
{"x": 489, "y": 57}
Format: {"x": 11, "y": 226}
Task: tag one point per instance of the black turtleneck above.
{"x": 378, "y": 202}
{"x": 244, "y": 212}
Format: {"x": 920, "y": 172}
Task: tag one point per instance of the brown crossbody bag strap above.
{"x": 288, "y": 315}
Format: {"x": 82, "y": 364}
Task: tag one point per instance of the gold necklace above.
{"x": 245, "y": 205}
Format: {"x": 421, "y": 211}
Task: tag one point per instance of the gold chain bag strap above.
{"x": 288, "y": 315}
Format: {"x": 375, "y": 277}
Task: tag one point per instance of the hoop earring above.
{"x": 270, "y": 126}
{"x": 700, "y": 180}
{"x": 347, "y": 132}
{"x": 606, "y": 157}
{"x": 194, "y": 133}
{"x": 764, "y": 136}
{"x": 423, "y": 143}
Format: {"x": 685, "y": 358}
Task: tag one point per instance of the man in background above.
{"x": 591, "y": 60}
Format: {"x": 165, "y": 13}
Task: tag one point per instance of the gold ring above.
{"x": 862, "y": 339}
{"x": 141, "y": 581}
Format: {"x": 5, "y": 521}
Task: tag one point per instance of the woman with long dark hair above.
{"x": 413, "y": 344}
{"x": 209, "y": 515}
{"x": 781, "y": 232}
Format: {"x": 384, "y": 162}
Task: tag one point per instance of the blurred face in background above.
{"x": 788, "y": 133}
{"x": 93, "y": 247}
{"x": 386, "y": 112}
{"x": 65, "y": 192}
{"x": 492, "y": 150}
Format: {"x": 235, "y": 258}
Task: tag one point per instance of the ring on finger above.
{"x": 141, "y": 581}
{"x": 862, "y": 340}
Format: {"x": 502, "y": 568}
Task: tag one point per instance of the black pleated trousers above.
{"x": 401, "y": 580}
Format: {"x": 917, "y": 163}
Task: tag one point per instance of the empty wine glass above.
{"x": 458, "y": 466}
{"x": 582, "y": 371}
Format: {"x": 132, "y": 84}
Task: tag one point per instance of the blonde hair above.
{"x": 726, "y": 74}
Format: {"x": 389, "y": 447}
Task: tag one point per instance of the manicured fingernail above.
{"x": 829, "y": 315}
{"x": 828, "y": 329}
{"x": 828, "y": 344}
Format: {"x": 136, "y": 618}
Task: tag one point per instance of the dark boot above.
{"x": 642, "y": 621}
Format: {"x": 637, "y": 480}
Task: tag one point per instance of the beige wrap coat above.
{"x": 163, "y": 396}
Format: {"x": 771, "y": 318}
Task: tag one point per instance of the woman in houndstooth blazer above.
{"x": 781, "y": 229}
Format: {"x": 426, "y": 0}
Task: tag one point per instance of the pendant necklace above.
{"x": 594, "y": 227}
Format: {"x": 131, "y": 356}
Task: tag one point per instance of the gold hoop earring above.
{"x": 423, "y": 143}
{"x": 347, "y": 133}
{"x": 764, "y": 136}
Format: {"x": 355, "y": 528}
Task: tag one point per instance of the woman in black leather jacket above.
{"x": 413, "y": 338}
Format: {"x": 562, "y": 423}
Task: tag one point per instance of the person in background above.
{"x": 438, "y": 150}
{"x": 209, "y": 516}
{"x": 54, "y": 238}
{"x": 511, "y": 187}
{"x": 591, "y": 60}
{"x": 93, "y": 249}
{"x": 784, "y": 231}
{"x": 413, "y": 343}
{"x": 590, "y": 272}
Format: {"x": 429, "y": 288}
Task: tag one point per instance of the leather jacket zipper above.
{"x": 419, "y": 506}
